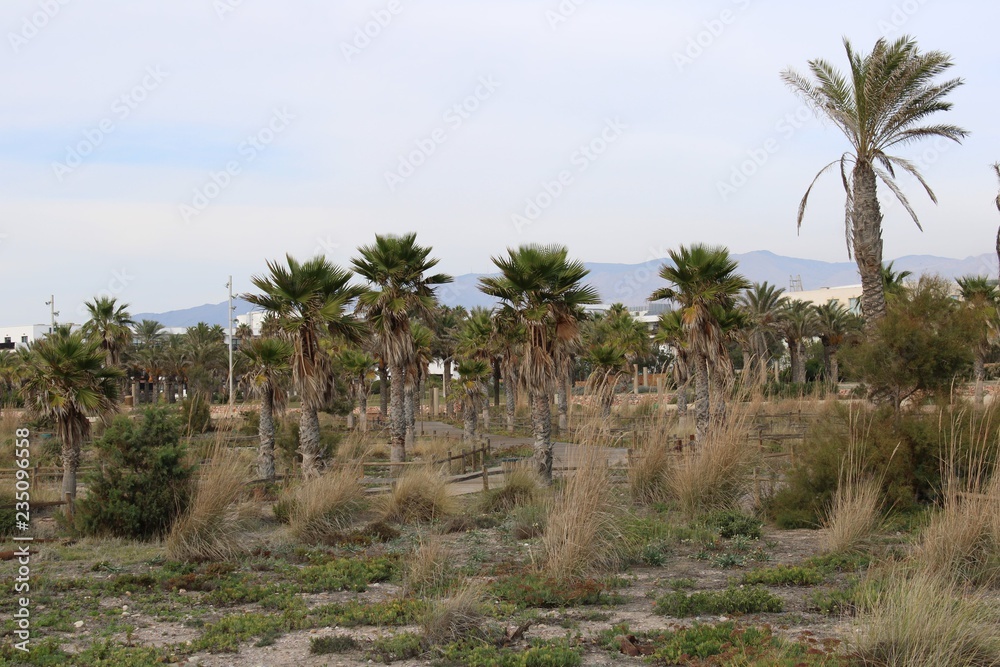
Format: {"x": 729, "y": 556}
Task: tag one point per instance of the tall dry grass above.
{"x": 582, "y": 534}
{"x": 650, "y": 469}
{"x": 522, "y": 486}
{"x": 922, "y": 620}
{"x": 856, "y": 511}
{"x": 324, "y": 507}
{"x": 458, "y": 617}
{"x": 430, "y": 569}
{"x": 216, "y": 523}
{"x": 420, "y": 494}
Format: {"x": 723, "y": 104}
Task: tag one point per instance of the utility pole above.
{"x": 53, "y": 312}
{"x": 232, "y": 393}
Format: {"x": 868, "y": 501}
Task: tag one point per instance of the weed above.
{"x": 397, "y": 647}
{"x": 332, "y": 644}
{"x": 742, "y": 600}
{"x": 785, "y": 575}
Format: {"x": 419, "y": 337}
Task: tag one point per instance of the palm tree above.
{"x": 477, "y": 341}
{"x": 704, "y": 284}
{"x": 670, "y": 331}
{"x": 416, "y": 372}
{"x": 981, "y": 297}
{"x": 310, "y": 299}
{"x": 360, "y": 369}
{"x": 509, "y": 335}
{"x": 395, "y": 268}
{"x": 798, "y": 324}
{"x": 111, "y": 325}
{"x": 834, "y": 323}
{"x": 607, "y": 364}
{"x": 267, "y": 365}
{"x": 69, "y": 381}
{"x": 761, "y": 305}
{"x": 539, "y": 290}
{"x": 148, "y": 336}
{"x": 891, "y": 91}
{"x": 12, "y": 370}
{"x": 446, "y": 324}
{"x": 474, "y": 373}
{"x": 893, "y": 282}
{"x": 205, "y": 357}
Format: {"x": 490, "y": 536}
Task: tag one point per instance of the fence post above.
{"x": 464, "y": 454}
{"x": 69, "y": 507}
{"x": 486, "y": 478}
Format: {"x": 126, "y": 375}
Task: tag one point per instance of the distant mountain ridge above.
{"x": 632, "y": 284}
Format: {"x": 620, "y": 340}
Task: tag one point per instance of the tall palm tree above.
{"x": 670, "y": 331}
{"x": 68, "y": 380}
{"x": 205, "y": 356}
{"x": 881, "y": 106}
{"x": 416, "y": 372}
{"x": 510, "y": 338}
{"x": 395, "y": 268}
{"x": 540, "y": 289}
{"x": 474, "y": 373}
{"x": 477, "y": 341}
{"x": 360, "y": 369}
{"x": 980, "y": 297}
{"x": 310, "y": 299}
{"x": 761, "y": 305}
{"x": 111, "y": 325}
{"x": 266, "y": 365}
{"x": 799, "y": 323}
{"x": 446, "y": 324}
{"x": 704, "y": 284}
{"x": 607, "y": 362}
{"x": 834, "y": 323}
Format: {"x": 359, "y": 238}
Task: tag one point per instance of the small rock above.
{"x": 124, "y": 607}
{"x": 78, "y": 624}
{"x": 182, "y": 591}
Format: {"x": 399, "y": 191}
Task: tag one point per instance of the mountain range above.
{"x": 631, "y": 284}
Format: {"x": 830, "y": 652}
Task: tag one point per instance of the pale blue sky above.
{"x": 164, "y": 95}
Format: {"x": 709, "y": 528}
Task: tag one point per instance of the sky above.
{"x": 150, "y": 150}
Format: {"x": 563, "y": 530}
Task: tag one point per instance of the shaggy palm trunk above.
{"x": 496, "y": 382}
{"x": 135, "y": 393}
{"x": 867, "y": 239}
{"x": 701, "y": 398}
{"x": 265, "y": 429}
{"x": 309, "y": 441}
{"x": 799, "y": 364}
{"x": 363, "y": 408}
{"x": 719, "y": 409}
{"x": 409, "y": 411}
{"x": 835, "y": 368}
{"x": 562, "y": 404}
{"x": 830, "y": 365}
{"x": 979, "y": 375}
{"x": 70, "y": 455}
{"x": 384, "y": 390}
{"x": 397, "y": 417}
{"x": 469, "y": 418}
{"x": 607, "y": 400}
{"x": 682, "y": 399}
{"x": 541, "y": 423}
{"x": 449, "y": 402}
{"x": 510, "y": 392}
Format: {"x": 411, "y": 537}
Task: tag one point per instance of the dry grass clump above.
{"x": 458, "y": 617}
{"x": 924, "y": 621}
{"x": 360, "y": 446}
{"x": 522, "y": 486}
{"x": 854, "y": 516}
{"x": 323, "y": 508}
{"x": 649, "y": 473}
{"x": 582, "y": 533}
{"x": 419, "y": 495}
{"x": 718, "y": 473}
{"x": 429, "y": 449}
{"x": 430, "y": 569}
{"x": 216, "y": 522}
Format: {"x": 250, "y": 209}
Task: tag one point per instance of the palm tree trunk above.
{"x": 449, "y": 400}
{"x": 979, "y": 375}
{"x": 397, "y": 416}
{"x": 701, "y": 397}
{"x": 835, "y": 368}
{"x": 719, "y": 409}
{"x": 541, "y": 422}
{"x": 496, "y": 382}
{"x": 867, "y": 240}
{"x": 510, "y": 392}
{"x": 793, "y": 354}
{"x": 70, "y": 456}
{"x": 309, "y": 441}
{"x": 409, "y": 410}
{"x": 363, "y": 407}
{"x": 799, "y": 369}
{"x": 265, "y": 428}
{"x": 607, "y": 400}
{"x": 562, "y": 403}
{"x": 469, "y": 419}
{"x": 682, "y": 399}
{"x": 384, "y": 390}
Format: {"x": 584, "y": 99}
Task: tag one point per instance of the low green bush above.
{"x": 537, "y": 590}
{"x": 733, "y": 523}
{"x": 733, "y": 600}
{"x": 348, "y": 574}
{"x": 785, "y": 575}
{"x": 397, "y": 647}
{"x": 333, "y": 644}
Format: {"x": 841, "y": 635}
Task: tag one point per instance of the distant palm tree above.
{"x": 880, "y": 107}
{"x": 111, "y": 325}
{"x": 205, "y": 356}
{"x": 893, "y": 282}
{"x": 69, "y": 381}
{"x": 360, "y": 369}
{"x": 607, "y": 363}
{"x": 510, "y": 337}
{"x": 477, "y": 341}
{"x": 980, "y": 297}
{"x": 310, "y": 299}
{"x": 446, "y": 324}
{"x": 799, "y": 323}
{"x": 704, "y": 284}
{"x": 761, "y": 304}
{"x": 266, "y": 364}
{"x": 395, "y": 268}
{"x": 416, "y": 371}
{"x": 834, "y": 324}
{"x": 670, "y": 331}
{"x": 540, "y": 289}
{"x": 474, "y": 374}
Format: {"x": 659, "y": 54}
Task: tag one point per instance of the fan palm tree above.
{"x": 416, "y": 372}
{"x": 981, "y": 298}
{"x": 834, "y": 323}
{"x": 670, "y": 331}
{"x": 704, "y": 284}
{"x": 111, "y": 325}
{"x": 761, "y": 305}
{"x": 474, "y": 373}
{"x": 510, "y": 339}
{"x": 446, "y": 324}
{"x": 890, "y": 92}
{"x": 396, "y": 270}
{"x": 205, "y": 357}
{"x": 266, "y": 365}
{"x": 68, "y": 380}
{"x": 309, "y": 299}
{"x": 799, "y": 323}
{"x": 540, "y": 290}
{"x": 476, "y": 340}
{"x": 360, "y": 369}
{"x": 608, "y": 363}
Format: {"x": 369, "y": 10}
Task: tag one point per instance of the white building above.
{"x": 20, "y": 336}
{"x": 254, "y": 319}
{"x": 848, "y": 296}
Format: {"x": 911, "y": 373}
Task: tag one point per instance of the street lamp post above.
{"x": 52, "y": 312}
{"x": 232, "y": 393}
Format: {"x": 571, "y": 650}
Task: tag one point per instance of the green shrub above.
{"x": 784, "y": 575}
{"x": 334, "y": 644}
{"x": 557, "y": 653}
{"x": 538, "y": 590}
{"x": 382, "y": 614}
{"x": 733, "y": 523}
{"x": 397, "y": 647}
{"x": 733, "y": 600}
{"x": 8, "y": 517}
{"x": 196, "y": 414}
{"x": 347, "y": 574}
{"x": 141, "y": 484}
